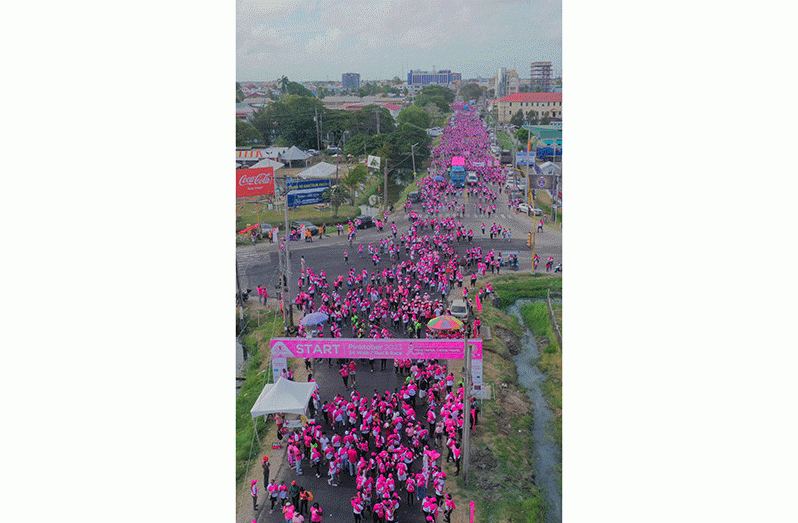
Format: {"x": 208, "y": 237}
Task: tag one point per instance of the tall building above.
{"x": 540, "y": 76}
{"x": 501, "y": 83}
{"x": 350, "y": 81}
{"x": 423, "y": 78}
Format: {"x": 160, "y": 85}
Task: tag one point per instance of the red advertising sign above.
{"x": 254, "y": 182}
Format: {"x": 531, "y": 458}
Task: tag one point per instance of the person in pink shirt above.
{"x": 288, "y": 512}
{"x": 253, "y": 490}
{"x": 315, "y": 513}
{"x": 410, "y": 486}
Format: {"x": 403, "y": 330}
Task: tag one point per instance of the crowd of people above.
{"x": 390, "y": 443}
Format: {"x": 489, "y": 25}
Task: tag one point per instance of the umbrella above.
{"x": 445, "y": 323}
{"x": 314, "y": 319}
{"x": 438, "y": 178}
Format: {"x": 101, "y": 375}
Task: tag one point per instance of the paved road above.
{"x": 334, "y": 501}
{"x": 259, "y": 264}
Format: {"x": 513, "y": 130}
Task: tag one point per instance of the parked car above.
{"x": 297, "y": 224}
{"x": 525, "y": 207}
{"x": 471, "y": 178}
{"x": 413, "y": 196}
{"x": 459, "y": 309}
{"x": 364, "y": 222}
{"x": 312, "y": 152}
{"x": 265, "y": 228}
{"x": 514, "y": 193}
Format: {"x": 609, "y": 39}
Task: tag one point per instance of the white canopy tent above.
{"x": 320, "y": 170}
{"x": 285, "y": 396}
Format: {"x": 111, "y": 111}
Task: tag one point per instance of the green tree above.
{"x": 239, "y": 93}
{"x": 401, "y": 141}
{"x": 336, "y": 196}
{"x": 284, "y": 84}
{"x": 518, "y": 118}
{"x": 355, "y": 177}
{"x": 290, "y": 119}
{"x": 532, "y": 117}
{"x": 471, "y": 92}
{"x": 522, "y": 135}
{"x": 363, "y": 144}
{"x": 414, "y": 115}
{"x": 298, "y": 89}
{"x": 437, "y": 117}
{"x": 438, "y": 95}
{"x": 247, "y": 134}
{"x": 546, "y": 119}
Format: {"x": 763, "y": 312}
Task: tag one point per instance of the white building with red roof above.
{"x": 543, "y": 103}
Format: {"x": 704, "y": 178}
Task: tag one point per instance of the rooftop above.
{"x": 532, "y": 97}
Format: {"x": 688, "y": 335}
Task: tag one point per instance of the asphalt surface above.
{"x": 334, "y": 501}
{"x": 259, "y": 264}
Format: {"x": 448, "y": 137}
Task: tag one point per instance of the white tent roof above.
{"x": 283, "y": 396}
{"x": 266, "y": 162}
{"x": 320, "y": 170}
{"x": 294, "y": 153}
{"x": 548, "y": 166}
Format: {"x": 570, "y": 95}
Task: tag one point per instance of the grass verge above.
{"x": 536, "y": 317}
{"x": 501, "y": 481}
{"x": 258, "y": 374}
{"x": 513, "y": 287}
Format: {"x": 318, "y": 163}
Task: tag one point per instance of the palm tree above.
{"x": 284, "y": 84}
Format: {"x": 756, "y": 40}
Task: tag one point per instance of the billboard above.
{"x": 254, "y": 182}
{"x": 524, "y": 157}
{"x": 308, "y": 184}
{"x": 305, "y": 196}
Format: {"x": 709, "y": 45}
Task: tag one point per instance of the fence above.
{"x": 553, "y": 319}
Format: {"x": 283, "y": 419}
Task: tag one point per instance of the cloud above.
{"x": 274, "y": 8}
{"x": 324, "y": 44}
{"x": 387, "y": 37}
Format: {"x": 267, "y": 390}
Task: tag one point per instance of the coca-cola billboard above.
{"x": 254, "y": 182}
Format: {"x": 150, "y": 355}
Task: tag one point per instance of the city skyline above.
{"x": 320, "y": 40}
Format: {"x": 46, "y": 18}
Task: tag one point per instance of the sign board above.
{"x": 308, "y": 184}
{"x": 523, "y": 158}
{"x": 543, "y": 181}
{"x": 305, "y": 196}
{"x": 278, "y": 364}
{"x": 254, "y": 182}
{"x": 390, "y": 348}
{"x": 373, "y": 162}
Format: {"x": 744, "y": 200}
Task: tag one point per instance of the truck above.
{"x": 457, "y": 174}
{"x": 506, "y": 157}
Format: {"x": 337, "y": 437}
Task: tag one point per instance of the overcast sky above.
{"x": 321, "y": 39}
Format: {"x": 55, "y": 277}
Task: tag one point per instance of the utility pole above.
{"x": 384, "y": 202}
{"x": 467, "y": 412}
{"x": 287, "y": 283}
{"x": 318, "y": 134}
{"x": 378, "y": 119}
{"x": 240, "y": 298}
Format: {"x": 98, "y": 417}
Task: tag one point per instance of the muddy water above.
{"x": 545, "y": 454}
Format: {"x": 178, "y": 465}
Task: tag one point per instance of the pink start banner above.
{"x": 391, "y": 348}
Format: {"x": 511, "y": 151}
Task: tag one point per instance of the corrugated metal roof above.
{"x": 532, "y": 97}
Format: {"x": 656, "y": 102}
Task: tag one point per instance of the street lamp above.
{"x": 413, "y": 154}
